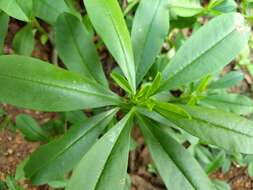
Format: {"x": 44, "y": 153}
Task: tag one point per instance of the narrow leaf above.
{"x": 35, "y": 84}
{"x": 12, "y": 8}
{"x": 122, "y": 82}
{"x": 105, "y": 165}
{"x": 224, "y": 36}
{"x": 23, "y": 42}
{"x": 76, "y": 48}
{"x": 148, "y": 33}
{"x": 49, "y": 10}
{"x": 185, "y": 8}
{"x": 4, "y": 21}
{"x": 61, "y": 155}
{"x": 30, "y": 128}
{"x": 228, "y": 102}
{"x": 108, "y": 20}
{"x": 231, "y": 132}
{"x": 176, "y": 166}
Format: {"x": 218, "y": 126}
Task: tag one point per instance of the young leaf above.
{"x": 224, "y": 36}
{"x": 122, "y": 82}
{"x": 185, "y": 8}
{"x": 226, "y": 130}
{"x": 35, "y": 84}
{"x": 61, "y": 155}
{"x": 108, "y": 20}
{"x": 228, "y": 102}
{"x": 167, "y": 108}
{"x": 216, "y": 163}
{"x": 105, "y": 165}
{"x": 4, "y": 21}
{"x": 30, "y": 128}
{"x": 49, "y": 10}
{"x": 76, "y": 48}
{"x": 23, "y": 42}
{"x": 148, "y": 33}
{"x": 155, "y": 85}
{"x": 12, "y": 8}
{"x": 173, "y": 162}
{"x": 229, "y": 80}
{"x": 76, "y": 117}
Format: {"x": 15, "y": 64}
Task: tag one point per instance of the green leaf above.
{"x": 167, "y": 108}
{"x": 216, "y": 163}
{"x": 76, "y": 48}
{"x": 155, "y": 85}
{"x": 11, "y": 184}
{"x": 35, "y": 84}
{"x": 122, "y": 82}
{"x": 226, "y": 6}
{"x": 12, "y": 8}
{"x": 105, "y": 165}
{"x": 221, "y": 185}
{"x": 108, "y": 21}
{"x": 49, "y": 10}
{"x": 229, "y": 80}
{"x": 30, "y": 128}
{"x": 224, "y": 36}
{"x": 27, "y": 7}
{"x": 185, "y": 8}
{"x": 228, "y": 102}
{"x": 23, "y": 42}
{"x": 150, "y": 27}
{"x": 61, "y": 155}
{"x": 76, "y": 117}
{"x": 226, "y": 130}
{"x": 176, "y": 166}
{"x": 4, "y": 21}
{"x": 250, "y": 169}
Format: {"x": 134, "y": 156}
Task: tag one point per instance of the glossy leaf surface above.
{"x": 208, "y": 50}
{"x": 61, "y": 155}
{"x": 150, "y": 27}
{"x": 173, "y": 162}
{"x": 107, "y": 18}
{"x": 35, "y": 84}
{"x": 105, "y": 165}
{"x": 76, "y": 48}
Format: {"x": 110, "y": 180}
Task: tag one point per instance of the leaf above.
{"x": 49, "y": 10}
{"x": 185, "y": 8}
{"x": 226, "y": 130}
{"x": 176, "y": 166}
{"x": 226, "y": 6}
{"x": 228, "y": 102}
{"x": 224, "y": 36}
{"x": 105, "y": 165}
{"x": 216, "y": 163}
{"x": 11, "y": 184}
{"x": 250, "y": 169}
{"x": 30, "y": 128}
{"x": 148, "y": 33}
{"x": 167, "y": 108}
{"x": 76, "y": 48}
{"x": 122, "y": 82}
{"x": 35, "y": 84}
{"x": 107, "y": 19}
{"x": 61, "y": 155}
{"x": 155, "y": 85}
{"x": 23, "y": 42}
{"x": 4, "y": 21}
{"x": 12, "y": 8}
{"x": 76, "y": 117}
{"x": 229, "y": 80}
{"x": 27, "y": 7}
{"x": 221, "y": 185}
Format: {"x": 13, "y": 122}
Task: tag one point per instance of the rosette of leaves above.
{"x": 96, "y": 150}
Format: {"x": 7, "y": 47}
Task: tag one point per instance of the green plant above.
{"x": 102, "y": 164}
